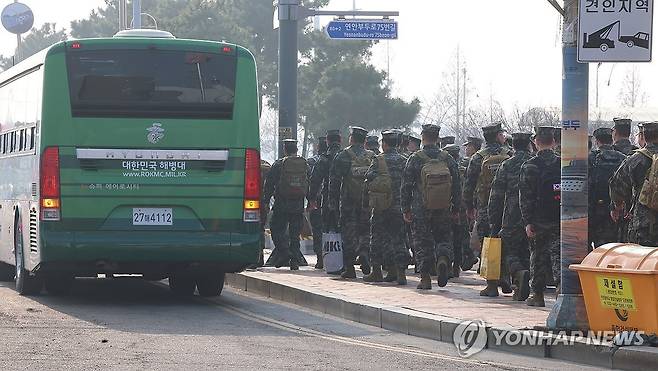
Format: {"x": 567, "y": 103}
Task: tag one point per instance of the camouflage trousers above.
{"x": 483, "y": 228}
{"x": 315, "y": 219}
{"x": 602, "y": 229}
{"x": 354, "y": 225}
{"x": 287, "y": 245}
{"x": 516, "y": 249}
{"x": 460, "y": 244}
{"x": 544, "y": 258}
{"x": 386, "y": 239}
{"x": 431, "y": 233}
{"x": 329, "y": 220}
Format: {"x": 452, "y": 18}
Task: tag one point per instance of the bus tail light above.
{"x": 252, "y": 185}
{"x": 50, "y": 186}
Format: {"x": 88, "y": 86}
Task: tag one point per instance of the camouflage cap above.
{"x": 447, "y": 141}
{"x": 473, "y": 140}
{"x": 452, "y": 148}
{"x": 322, "y": 139}
{"x": 544, "y": 131}
{"x": 357, "y": 130}
{"x": 651, "y": 127}
{"x": 521, "y": 137}
{"x": 431, "y": 129}
{"x": 333, "y": 132}
{"x": 391, "y": 134}
{"x": 372, "y": 139}
{"x": 622, "y": 123}
{"x": 602, "y": 132}
{"x": 492, "y": 129}
{"x": 415, "y": 139}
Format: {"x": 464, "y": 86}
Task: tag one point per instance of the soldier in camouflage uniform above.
{"x": 386, "y": 226}
{"x": 471, "y": 146}
{"x": 603, "y": 163}
{"x": 315, "y": 215}
{"x": 287, "y": 213}
{"x": 494, "y": 137}
{"x": 539, "y": 200}
{"x": 505, "y": 220}
{"x": 320, "y": 180}
{"x": 628, "y": 181}
{"x": 372, "y": 144}
{"x": 414, "y": 144}
{"x": 431, "y": 229}
{"x": 354, "y": 217}
{"x": 460, "y": 234}
{"x": 621, "y": 132}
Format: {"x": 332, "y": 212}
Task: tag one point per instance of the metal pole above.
{"x": 569, "y": 310}
{"x": 288, "y": 50}
{"x": 137, "y": 14}
{"x": 18, "y": 49}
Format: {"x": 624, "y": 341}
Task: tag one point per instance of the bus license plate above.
{"x": 153, "y": 217}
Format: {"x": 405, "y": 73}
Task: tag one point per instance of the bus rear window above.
{"x": 151, "y": 84}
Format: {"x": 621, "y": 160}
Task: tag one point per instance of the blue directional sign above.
{"x": 363, "y": 29}
{"x": 17, "y": 18}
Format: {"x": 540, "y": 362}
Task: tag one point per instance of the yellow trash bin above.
{"x": 620, "y": 286}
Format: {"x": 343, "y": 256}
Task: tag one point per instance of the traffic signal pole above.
{"x": 569, "y": 310}
{"x": 290, "y": 13}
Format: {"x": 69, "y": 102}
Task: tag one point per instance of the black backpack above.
{"x": 604, "y": 167}
{"x": 549, "y": 190}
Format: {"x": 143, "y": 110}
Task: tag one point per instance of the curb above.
{"x": 442, "y": 329}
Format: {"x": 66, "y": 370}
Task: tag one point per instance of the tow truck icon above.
{"x": 600, "y": 39}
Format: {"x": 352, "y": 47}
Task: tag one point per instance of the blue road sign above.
{"x": 363, "y": 29}
{"x": 17, "y": 18}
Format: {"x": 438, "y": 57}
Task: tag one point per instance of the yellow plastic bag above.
{"x": 490, "y": 259}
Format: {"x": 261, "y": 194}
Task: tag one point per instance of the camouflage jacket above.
{"x": 628, "y": 181}
{"x": 528, "y": 186}
{"x": 625, "y": 146}
{"x": 395, "y": 163}
{"x": 280, "y": 202}
{"x": 410, "y": 197}
{"x": 504, "y": 210}
{"x": 319, "y": 184}
{"x": 340, "y": 170}
{"x": 605, "y": 153}
{"x": 312, "y": 162}
{"x": 473, "y": 171}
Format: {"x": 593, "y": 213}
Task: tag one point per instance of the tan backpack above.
{"x": 649, "y": 193}
{"x": 435, "y": 181}
{"x": 293, "y": 182}
{"x": 490, "y": 165}
{"x": 380, "y": 189}
{"x": 355, "y": 184}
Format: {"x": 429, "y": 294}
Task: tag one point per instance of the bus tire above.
{"x": 182, "y": 284}
{"x": 210, "y": 285}
{"x": 58, "y": 284}
{"x": 26, "y": 284}
{"x": 7, "y": 272}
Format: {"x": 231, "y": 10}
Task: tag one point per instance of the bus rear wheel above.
{"x": 182, "y": 284}
{"x": 26, "y": 284}
{"x": 210, "y": 285}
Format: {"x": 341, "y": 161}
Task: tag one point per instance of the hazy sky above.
{"x": 511, "y": 47}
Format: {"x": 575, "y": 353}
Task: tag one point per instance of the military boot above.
{"x": 456, "y": 270}
{"x": 522, "y": 290}
{"x": 365, "y": 265}
{"x": 320, "y": 263}
{"x": 348, "y": 272}
{"x": 505, "y": 285}
{"x": 391, "y": 274}
{"x": 425, "y": 282}
{"x": 442, "y": 265}
{"x": 375, "y": 275}
{"x": 294, "y": 266}
{"x": 402, "y": 277}
{"x": 536, "y": 300}
{"x": 491, "y": 290}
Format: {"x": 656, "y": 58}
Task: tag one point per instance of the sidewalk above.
{"x": 433, "y": 314}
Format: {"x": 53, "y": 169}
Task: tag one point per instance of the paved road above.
{"x": 129, "y": 324}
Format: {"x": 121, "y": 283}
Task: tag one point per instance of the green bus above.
{"x": 137, "y": 154}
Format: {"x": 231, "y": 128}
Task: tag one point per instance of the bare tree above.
{"x": 269, "y": 128}
{"x": 525, "y": 120}
{"x": 632, "y": 93}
